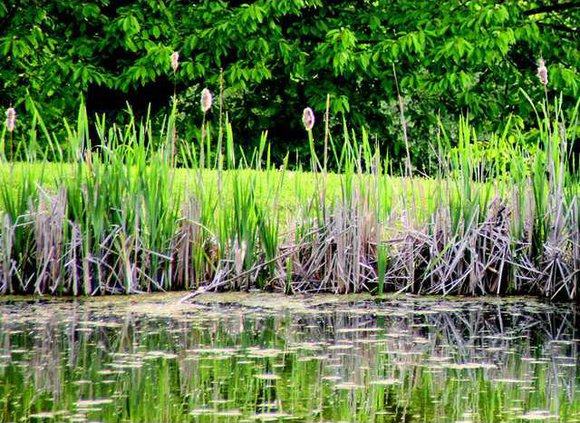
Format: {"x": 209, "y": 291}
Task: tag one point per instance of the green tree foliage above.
{"x": 277, "y": 57}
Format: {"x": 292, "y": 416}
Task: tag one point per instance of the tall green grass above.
{"x": 120, "y": 217}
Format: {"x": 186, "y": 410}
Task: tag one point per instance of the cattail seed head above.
{"x": 308, "y": 119}
{"x": 10, "y": 119}
{"x": 175, "y": 61}
{"x": 542, "y": 72}
{"x": 206, "y": 100}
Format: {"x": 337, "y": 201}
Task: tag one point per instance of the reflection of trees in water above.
{"x": 396, "y": 340}
{"x": 491, "y": 341}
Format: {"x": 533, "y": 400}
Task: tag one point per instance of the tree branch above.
{"x": 559, "y": 27}
{"x": 553, "y": 8}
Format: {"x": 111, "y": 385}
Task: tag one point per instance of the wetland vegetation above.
{"x": 440, "y": 154}
{"x": 139, "y": 212}
{"x": 436, "y": 156}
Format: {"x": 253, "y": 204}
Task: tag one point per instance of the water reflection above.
{"x": 391, "y": 361}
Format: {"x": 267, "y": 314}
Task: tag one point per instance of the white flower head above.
{"x": 10, "y": 119}
{"x": 542, "y": 72}
{"x": 206, "y": 100}
{"x": 175, "y": 61}
{"x": 308, "y": 119}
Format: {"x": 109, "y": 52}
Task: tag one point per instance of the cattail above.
{"x": 10, "y": 119}
{"x": 206, "y": 100}
{"x": 542, "y": 72}
{"x": 308, "y": 119}
{"x": 175, "y": 61}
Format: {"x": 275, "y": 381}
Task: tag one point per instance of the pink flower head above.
{"x": 206, "y": 100}
{"x": 542, "y": 72}
{"x": 10, "y": 118}
{"x": 175, "y": 61}
{"x": 308, "y": 119}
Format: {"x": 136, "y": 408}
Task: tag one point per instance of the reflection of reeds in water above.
{"x": 124, "y": 220}
{"x": 378, "y": 362}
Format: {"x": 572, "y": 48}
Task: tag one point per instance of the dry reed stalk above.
{"x": 189, "y": 246}
{"x": 339, "y": 258}
{"x": 6, "y": 262}
{"x": 49, "y": 225}
{"x": 127, "y": 266}
{"x": 575, "y": 240}
{"x": 72, "y": 262}
{"x": 493, "y": 250}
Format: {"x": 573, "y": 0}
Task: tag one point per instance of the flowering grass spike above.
{"x": 206, "y": 100}
{"x": 175, "y": 61}
{"x": 10, "y": 119}
{"x": 308, "y": 119}
{"x": 542, "y": 72}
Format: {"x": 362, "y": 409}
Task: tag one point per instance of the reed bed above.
{"x": 122, "y": 217}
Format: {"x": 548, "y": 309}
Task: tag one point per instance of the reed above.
{"x": 120, "y": 218}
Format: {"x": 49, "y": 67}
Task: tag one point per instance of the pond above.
{"x": 260, "y": 357}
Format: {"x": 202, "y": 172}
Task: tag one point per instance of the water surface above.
{"x": 258, "y": 357}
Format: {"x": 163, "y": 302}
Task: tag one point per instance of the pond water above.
{"x": 259, "y": 357}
